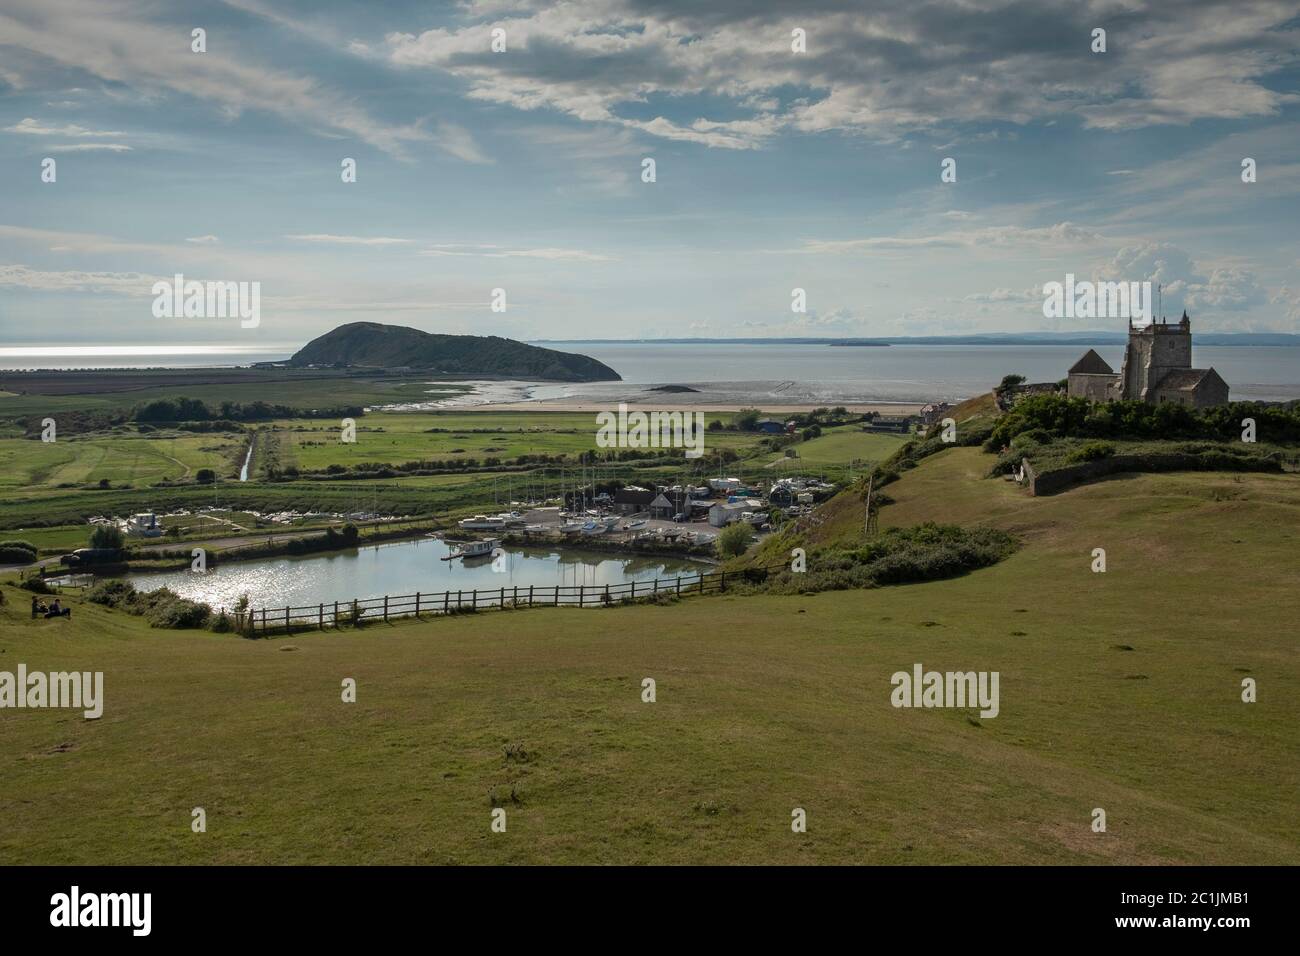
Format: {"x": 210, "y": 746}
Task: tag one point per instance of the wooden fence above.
{"x": 351, "y": 613}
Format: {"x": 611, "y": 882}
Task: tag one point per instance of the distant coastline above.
{"x": 1239, "y": 339}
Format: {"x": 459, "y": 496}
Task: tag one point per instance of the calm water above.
{"x": 403, "y": 568}
{"x": 795, "y": 374}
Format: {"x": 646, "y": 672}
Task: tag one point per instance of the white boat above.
{"x": 475, "y": 549}
{"x": 482, "y": 523}
{"x": 634, "y": 525}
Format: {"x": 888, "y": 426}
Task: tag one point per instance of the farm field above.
{"x": 1118, "y": 690}
{"x": 399, "y": 437}
{"x": 120, "y": 457}
{"x": 839, "y": 446}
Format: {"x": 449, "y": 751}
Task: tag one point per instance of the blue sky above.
{"x": 522, "y": 170}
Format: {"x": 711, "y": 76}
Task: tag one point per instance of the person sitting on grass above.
{"x": 37, "y": 606}
{"x": 56, "y": 610}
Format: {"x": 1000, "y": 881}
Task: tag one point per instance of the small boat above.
{"x": 475, "y": 549}
{"x": 633, "y": 525}
{"x": 481, "y": 523}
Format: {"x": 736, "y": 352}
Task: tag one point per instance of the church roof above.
{"x": 1091, "y": 364}
{"x": 1185, "y": 378}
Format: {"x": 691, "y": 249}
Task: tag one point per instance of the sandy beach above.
{"x": 883, "y": 408}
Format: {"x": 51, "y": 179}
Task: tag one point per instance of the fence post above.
{"x": 475, "y": 604}
{"x": 385, "y": 608}
{"x": 320, "y": 618}
{"x": 286, "y": 620}
{"x": 722, "y": 584}
{"x": 530, "y": 595}
{"x": 701, "y": 582}
{"x": 557, "y": 595}
{"x": 501, "y": 598}
{"x": 417, "y": 604}
{"x": 679, "y": 585}
{"x": 263, "y": 620}
{"x": 336, "y": 615}
{"x": 582, "y": 595}
{"x": 633, "y": 590}
{"x": 515, "y": 599}
{"x": 446, "y": 599}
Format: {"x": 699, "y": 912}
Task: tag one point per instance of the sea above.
{"x": 774, "y": 373}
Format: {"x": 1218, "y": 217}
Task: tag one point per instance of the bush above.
{"x": 23, "y": 545}
{"x": 205, "y": 476}
{"x": 161, "y": 608}
{"x": 178, "y": 613}
{"x": 107, "y": 537}
{"x": 925, "y": 552}
{"x": 1092, "y": 451}
{"x": 16, "y": 555}
{"x": 110, "y": 593}
{"x": 734, "y": 539}
{"x": 36, "y": 586}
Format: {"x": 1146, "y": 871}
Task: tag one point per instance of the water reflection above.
{"x": 404, "y": 567}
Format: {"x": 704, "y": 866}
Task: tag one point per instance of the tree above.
{"x": 108, "y": 537}
{"x": 205, "y": 476}
{"x": 747, "y": 419}
{"x": 734, "y": 539}
{"x": 1010, "y": 381}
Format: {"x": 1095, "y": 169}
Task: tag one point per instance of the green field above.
{"x": 1118, "y": 690}
{"x": 120, "y": 457}
{"x": 839, "y": 446}
{"x": 121, "y": 390}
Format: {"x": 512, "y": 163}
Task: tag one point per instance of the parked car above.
{"x": 681, "y": 516}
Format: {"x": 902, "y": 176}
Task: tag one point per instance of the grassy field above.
{"x": 838, "y": 446}
{"x": 120, "y": 390}
{"x": 120, "y": 457}
{"x": 1118, "y": 690}
{"x": 399, "y": 437}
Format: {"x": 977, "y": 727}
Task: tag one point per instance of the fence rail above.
{"x": 359, "y": 611}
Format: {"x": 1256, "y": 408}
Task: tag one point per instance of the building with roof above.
{"x": 1157, "y": 368}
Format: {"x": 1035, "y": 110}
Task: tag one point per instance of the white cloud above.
{"x": 204, "y": 240}
{"x": 122, "y": 45}
{"x": 91, "y": 148}
{"x": 31, "y": 127}
{"x": 349, "y": 240}
{"x": 881, "y": 69}
{"x": 496, "y": 252}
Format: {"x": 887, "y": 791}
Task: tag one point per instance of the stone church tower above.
{"x": 1157, "y": 368}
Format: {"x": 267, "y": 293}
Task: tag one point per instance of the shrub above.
{"x": 110, "y": 593}
{"x": 36, "y": 586}
{"x": 925, "y": 552}
{"x": 734, "y": 539}
{"x": 16, "y": 555}
{"x": 205, "y": 476}
{"x": 107, "y": 537}
{"x": 178, "y": 613}
{"x": 23, "y": 545}
{"x": 1092, "y": 451}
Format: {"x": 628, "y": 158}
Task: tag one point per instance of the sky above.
{"x": 775, "y": 169}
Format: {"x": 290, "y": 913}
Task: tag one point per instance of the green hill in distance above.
{"x": 373, "y": 344}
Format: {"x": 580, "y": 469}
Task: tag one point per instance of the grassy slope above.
{"x": 764, "y": 704}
